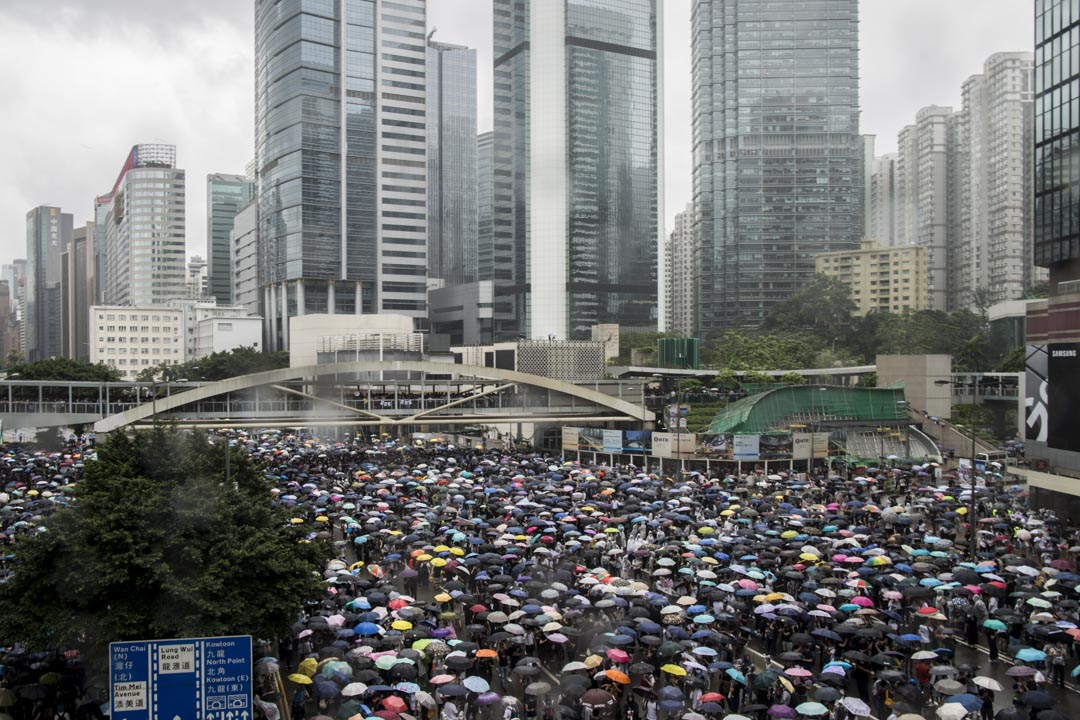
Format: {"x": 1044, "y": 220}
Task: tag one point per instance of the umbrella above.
{"x": 969, "y": 702}
{"x": 856, "y": 707}
{"x": 300, "y": 679}
{"x": 781, "y": 711}
{"x": 987, "y": 682}
{"x": 537, "y": 688}
{"x": 951, "y": 711}
{"x": 812, "y": 708}
{"x": 597, "y": 698}
{"x": 1038, "y": 699}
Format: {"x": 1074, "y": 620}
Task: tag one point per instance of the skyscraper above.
{"x": 991, "y": 252}
{"x": 883, "y": 200}
{"x": 575, "y": 226}
{"x": 145, "y": 228}
{"x": 77, "y": 283}
{"x": 778, "y": 159}
{"x": 226, "y": 195}
{"x": 452, "y": 147}
{"x": 682, "y": 275}
{"x": 925, "y": 212}
{"x": 48, "y": 234}
{"x": 340, "y": 145}
{"x": 485, "y": 205}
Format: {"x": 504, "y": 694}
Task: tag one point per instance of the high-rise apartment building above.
{"x": 778, "y": 158}
{"x": 341, "y": 159}
{"x": 225, "y": 196}
{"x": 485, "y": 205}
{"x": 991, "y": 250}
{"x": 48, "y": 234}
{"x": 576, "y": 217}
{"x": 923, "y": 209}
{"x": 77, "y": 284}
{"x": 882, "y": 200}
{"x": 145, "y": 228}
{"x": 451, "y": 159}
{"x": 681, "y": 276}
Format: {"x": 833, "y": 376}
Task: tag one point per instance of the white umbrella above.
{"x": 988, "y": 683}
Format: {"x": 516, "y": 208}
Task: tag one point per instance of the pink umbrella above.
{"x": 440, "y": 679}
{"x": 618, "y": 655}
{"x": 747, "y": 584}
{"x": 826, "y": 608}
{"x": 839, "y": 557}
{"x": 892, "y": 595}
{"x": 862, "y": 601}
{"x": 798, "y": 672}
{"x": 975, "y": 589}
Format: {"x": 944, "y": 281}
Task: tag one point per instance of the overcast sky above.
{"x": 83, "y": 82}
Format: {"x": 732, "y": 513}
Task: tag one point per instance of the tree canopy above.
{"x": 64, "y": 369}
{"x": 156, "y": 544}
{"x": 219, "y": 366}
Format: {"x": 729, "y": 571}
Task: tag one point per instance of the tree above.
{"x": 219, "y": 366}
{"x": 157, "y": 545}
{"x": 14, "y": 357}
{"x": 823, "y": 308}
{"x": 792, "y": 378}
{"x": 690, "y": 385}
{"x": 64, "y": 369}
{"x": 1015, "y": 361}
{"x": 726, "y": 380}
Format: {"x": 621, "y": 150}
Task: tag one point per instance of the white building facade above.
{"x": 681, "y": 275}
{"x": 132, "y": 339}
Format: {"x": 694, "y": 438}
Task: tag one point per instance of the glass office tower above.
{"x": 226, "y": 195}
{"x": 575, "y": 223}
{"x": 776, "y": 149}
{"x": 340, "y": 109}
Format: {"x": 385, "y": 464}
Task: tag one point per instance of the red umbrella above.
{"x": 712, "y": 697}
{"x": 618, "y": 656}
{"x": 394, "y": 704}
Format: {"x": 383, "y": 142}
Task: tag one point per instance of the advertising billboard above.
{"x": 590, "y": 439}
{"x": 1036, "y": 402}
{"x": 746, "y": 447}
{"x": 636, "y": 441}
{"x": 1063, "y": 377}
{"x": 672, "y": 445}
{"x": 821, "y": 445}
{"x": 569, "y": 438}
{"x": 613, "y": 441}
{"x": 802, "y": 446}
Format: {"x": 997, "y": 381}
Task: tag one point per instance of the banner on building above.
{"x": 1036, "y": 400}
{"x": 821, "y": 445}
{"x": 802, "y": 446}
{"x": 636, "y": 441}
{"x": 613, "y": 441}
{"x": 1063, "y": 377}
{"x": 570, "y": 438}
{"x": 673, "y": 445}
{"x": 746, "y": 447}
{"x": 590, "y": 439}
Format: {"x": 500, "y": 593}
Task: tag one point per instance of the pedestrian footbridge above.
{"x": 393, "y": 393}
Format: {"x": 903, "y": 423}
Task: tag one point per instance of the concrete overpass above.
{"x": 395, "y": 393}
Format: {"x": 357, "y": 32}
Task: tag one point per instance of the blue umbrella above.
{"x": 736, "y": 675}
{"x": 970, "y": 702}
{"x": 1030, "y": 655}
{"x": 366, "y": 629}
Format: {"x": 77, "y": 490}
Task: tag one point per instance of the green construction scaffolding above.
{"x": 779, "y": 408}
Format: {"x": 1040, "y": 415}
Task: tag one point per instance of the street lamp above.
{"x": 971, "y": 472}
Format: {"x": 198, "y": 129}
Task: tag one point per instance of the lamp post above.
{"x": 971, "y": 472}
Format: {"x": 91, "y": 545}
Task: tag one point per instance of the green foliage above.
{"x": 14, "y": 357}
{"x": 736, "y": 350}
{"x": 690, "y": 385}
{"x": 822, "y": 308}
{"x": 726, "y": 380}
{"x": 629, "y": 341}
{"x": 219, "y": 366}
{"x": 158, "y": 545}
{"x": 869, "y": 380}
{"x": 64, "y": 369}
{"x": 757, "y": 378}
{"x": 1015, "y": 361}
{"x": 792, "y": 378}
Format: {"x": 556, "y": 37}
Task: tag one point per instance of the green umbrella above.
{"x": 995, "y": 625}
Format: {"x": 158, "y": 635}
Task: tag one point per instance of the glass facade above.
{"x": 451, "y": 137}
{"x": 609, "y": 134}
{"x": 778, "y": 159}
{"x": 338, "y": 134}
{"x": 485, "y": 204}
{"x": 1057, "y": 142}
{"x": 226, "y": 195}
{"x": 48, "y": 234}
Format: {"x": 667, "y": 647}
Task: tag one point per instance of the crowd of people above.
{"x": 487, "y": 585}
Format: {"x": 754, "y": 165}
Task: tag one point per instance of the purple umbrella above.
{"x": 488, "y": 698}
{"x": 781, "y": 711}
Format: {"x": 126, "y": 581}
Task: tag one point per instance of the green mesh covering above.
{"x": 780, "y": 407}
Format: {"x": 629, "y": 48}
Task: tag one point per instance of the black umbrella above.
{"x": 1038, "y": 699}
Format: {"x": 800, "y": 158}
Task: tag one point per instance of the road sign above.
{"x": 185, "y": 679}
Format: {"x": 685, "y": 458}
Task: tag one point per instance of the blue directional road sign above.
{"x": 186, "y": 679}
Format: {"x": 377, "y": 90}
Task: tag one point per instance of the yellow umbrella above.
{"x": 322, "y": 518}
{"x": 774, "y": 596}
{"x": 423, "y": 557}
{"x": 357, "y": 565}
{"x": 308, "y": 666}
{"x": 457, "y": 551}
{"x": 727, "y": 513}
{"x": 787, "y": 684}
{"x": 788, "y": 534}
{"x": 441, "y": 548}
{"x": 401, "y": 625}
{"x": 593, "y": 661}
{"x": 300, "y": 679}
{"x": 809, "y": 557}
{"x": 443, "y": 597}
{"x": 710, "y": 560}
{"x": 296, "y": 521}
{"x": 438, "y": 562}
{"x": 674, "y": 670}
{"x": 706, "y": 530}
